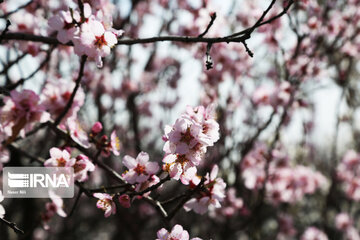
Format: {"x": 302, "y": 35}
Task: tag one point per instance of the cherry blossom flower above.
{"x": 105, "y": 203}
{"x": 179, "y": 167}
{"x": 2, "y": 209}
{"x": 77, "y": 133}
{"x": 210, "y": 199}
{"x": 312, "y": 233}
{"x": 186, "y": 142}
{"x": 231, "y": 206}
{"x": 59, "y": 158}
{"x": 343, "y": 221}
{"x": 177, "y": 233}
{"x": 95, "y": 41}
{"x": 21, "y": 111}
{"x": 347, "y": 173}
{"x": 140, "y": 169}
{"x": 65, "y": 23}
{"x": 110, "y": 146}
{"x": 54, "y": 207}
{"x": 56, "y": 95}
{"x": 81, "y": 168}
{"x": 92, "y": 35}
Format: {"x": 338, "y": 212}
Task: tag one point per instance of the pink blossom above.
{"x": 56, "y": 95}
{"x": 21, "y": 111}
{"x": 211, "y": 199}
{"x": 312, "y": 233}
{"x": 105, "y": 203}
{"x": 77, "y": 133}
{"x": 59, "y": 158}
{"x": 186, "y": 142}
{"x": 231, "y": 205}
{"x": 343, "y": 221}
{"x": 81, "y": 168}
{"x": 347, "y": 173}
{"x": 114, "y": 144}
{"x": 177, "y": 233}
{"x": 95, "y": 41}
{"x": 140, "y": 169}
{"x": 56, "y": 206}
{"x": 65, "y": 25}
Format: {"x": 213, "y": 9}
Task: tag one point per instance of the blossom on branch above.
{"x": 140, "y": 169}
{"x": 187, "y": 140}
{"x": 177, "y": 233}
{"x": 209, "y": 198}
{"x": 105, "y": 203}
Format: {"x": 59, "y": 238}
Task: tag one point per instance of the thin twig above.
{"x": 71, "y": 100}
{"x": 8, "y": 23}
{"x": 76, "y": 203}
{"x": 213, "y": 17}
{"x": 6, "y": 15}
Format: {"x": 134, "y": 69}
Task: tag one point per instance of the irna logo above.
{"x": 37, "y": 182}
{"x": 33, "y": 180}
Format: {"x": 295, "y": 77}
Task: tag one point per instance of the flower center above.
{"x": 100, "y": 41}
{"x": 186, "y": 137}
{"x": 140, "y": 169}
{"x": 61, "y": 162}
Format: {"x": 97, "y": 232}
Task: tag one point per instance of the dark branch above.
{"x": 12, "y": 225}
{"x": 71, "y": 100}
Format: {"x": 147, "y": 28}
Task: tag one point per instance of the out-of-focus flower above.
{"x": 312, "y": 233}
{"x": 56, "y": 95}
{"x": 348, "y": 174}
{"x": 21, "y": 111}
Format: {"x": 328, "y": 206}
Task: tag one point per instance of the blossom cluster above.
{"x": 231, "y": 206}
{"x": 285, "y": 183}
{"x": 90, "y": 32}
{"x": 212, "y": 195}
{"x": 187, "y": 140}
{"x": 345, "y": 224}
{"x": 313, "y": 233}
{"x": 20, "y": 113}
{"x": 61, "y": 158}
{"x": 348, "y": 173}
